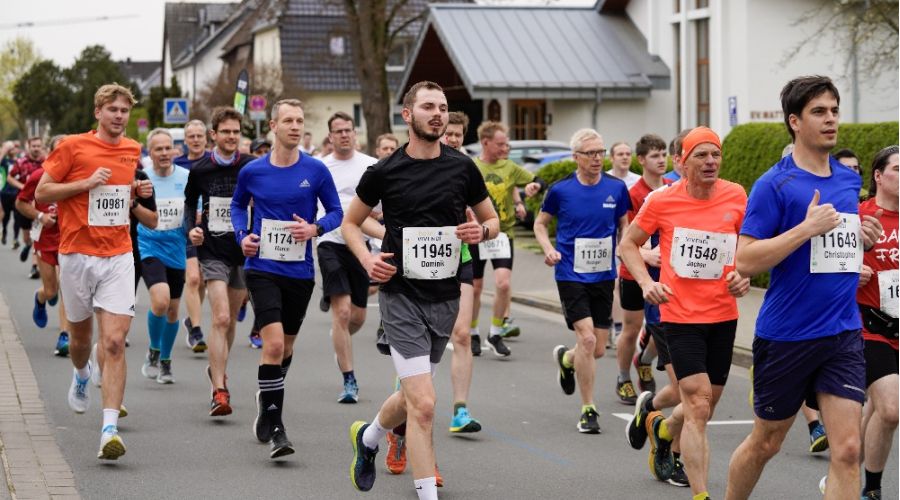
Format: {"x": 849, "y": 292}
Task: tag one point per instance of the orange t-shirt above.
{"x": 76, "y": 158}
{"x": 707, "y": 234}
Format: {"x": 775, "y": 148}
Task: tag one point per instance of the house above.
{"x": 144, "y": 74}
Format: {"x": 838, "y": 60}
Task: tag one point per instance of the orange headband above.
{"x": 696, "y": 137}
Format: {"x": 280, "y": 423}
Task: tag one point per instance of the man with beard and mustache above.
{"x": 425, "y": 188}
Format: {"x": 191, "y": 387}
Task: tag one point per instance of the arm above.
{"x": 370, "y": 227}
{"x": 11, "y": 177}
{"x": 376, "y": 266}
{"x": 28, "y": 210}
{"x": 629, "y": 251}
{"x": 49, "y": 191}
{"x": 487, "y": 217}
{"x": 330, "y": 200}
{"x": 239, "y": 202}
{"x": 144, "y": 215}
{"x": 542, "y": 234}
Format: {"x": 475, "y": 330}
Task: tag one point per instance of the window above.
{"x": 336, "y": 46}
{"x": 702, "y": 26}
{"x": 399, "y": 55}
{"x": 357, "y": 115}
{"x": 702, "y": 4}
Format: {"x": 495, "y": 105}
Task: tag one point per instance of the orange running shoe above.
{"x": 395, "y": 460}
{"x": 221, "y": 403}
{"x": 438, "y": 479}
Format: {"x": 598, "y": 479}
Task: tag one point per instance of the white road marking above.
{"x": 628, "y": 416}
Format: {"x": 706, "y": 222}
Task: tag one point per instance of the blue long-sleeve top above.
{"x": 278, "y": 193}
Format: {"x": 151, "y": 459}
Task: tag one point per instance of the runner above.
{"x": 620, "y": 154}
{"x": 345, "y": 284}
{"x": 878, "y": 304}
{"x": 675, "y": 155}
{"x": 425, "y": 188}
{"x": 284, "y": 187}
{"x": 194, "y": 287}
{"x": 584, "y": 261}
{"x": 18, "y": 174}
{"x": 163, "y": 256}
{"x": 802, "y": 223}
{"x": 698, "y": 220}
{"x": 91, "y": 177}
{"x": 8, "y": 156}
{"x": 501, "y": 176}
{"x": 220, "y": 257}
{"x": 385, "y": 145}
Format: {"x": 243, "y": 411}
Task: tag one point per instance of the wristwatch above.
{"x": 134, "y": 204}
{"x": 485, "y": 232}
{"x": 319, "y": 230}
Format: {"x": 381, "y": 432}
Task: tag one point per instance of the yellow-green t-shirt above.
{"x": 501, "y": 178}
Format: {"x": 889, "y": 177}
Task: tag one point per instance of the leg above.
{"x": 49, "y": 282}
{"x": 502, "y": 292}
{"x": 340, "y": 331}
{"x": 218, "y": 338}
{"x": 670, "y": 395}
{"x": 477, "y": 287}
{"x": 357, "y": 318}
{"x": 752, "y": 454}
{"x": 697, "y": 404}
{"x": 625, "y": 345}
{"x": 113, "y": 328}
{"x": 842, "y": 417}
{"x": 583, "y": 356}
{"x": 461, "y": 362}
{"x": 80, "y": 342}
{"x": 193, "y": 291}
{"x": 879, "y": 432}
{"x": 420, "y": 400}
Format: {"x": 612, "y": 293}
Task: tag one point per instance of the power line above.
{"x": 63, "y": 22}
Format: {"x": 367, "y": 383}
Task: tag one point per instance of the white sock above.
{"x": 374, "y": 434}
{"x": 426, "y": 488}
{"x": 110, "y": 417}
{"x": 496, "y": 330}
{"x": 84, "y": 372}
{"x": 474, "y": 331}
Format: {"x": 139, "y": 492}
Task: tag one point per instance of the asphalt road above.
{"x": 529, "y": 447}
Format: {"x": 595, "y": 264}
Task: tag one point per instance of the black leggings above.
{"x": 9, "y": 206}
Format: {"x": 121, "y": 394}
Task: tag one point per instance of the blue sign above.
{"x": 176, "y": 110}
{"x": 732, "y": 111}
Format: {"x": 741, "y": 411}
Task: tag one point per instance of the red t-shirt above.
{"x": 638, "y": 193}
{"x": 23, "y": 167}
{"x": 49, "y": 238}
{"x": 882, "y": 257}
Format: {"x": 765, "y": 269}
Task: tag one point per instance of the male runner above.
{"x": 385, "y": 145}
{"x": 91, "y": 177}
{"x": 620, "y": 154}
{"x": 9, "y": 153}
{"x": 698, "y": 220}
{"x": 590, "y": 208}
{"x": 18, "y": 174}
{"x": 220, "y": 257}
{"x": 802, "y": 223}
{"x": 425, "y": 189}
{"x": 675, "y": 155}
{"x": 285, "y": 187}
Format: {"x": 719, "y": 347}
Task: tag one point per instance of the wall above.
{"x": 267, "y": 47}
{"x": 319, "y": 106}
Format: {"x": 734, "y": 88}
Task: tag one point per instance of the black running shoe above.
{"x": 496, "y": 345}
{"x": 636, "y": 431}
{"x": 324, "y": 304}
{"x": 661, "y": 461}
{"x": 476, "y": 345}
{"x": 679, "y": 478}
{"x": 23, "y": 255}
{"x": 261, "y": 427}
{"x": 281, "y": 445}
{"x": 589, "y": 423}
{"x": 565, "y": 376}
{"x": 362, "y": 469}
{"x": 34, "y": 274}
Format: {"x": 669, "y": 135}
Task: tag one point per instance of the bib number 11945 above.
{"x": 430, "y": 253}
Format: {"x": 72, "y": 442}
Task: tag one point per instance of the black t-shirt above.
{"x": 148, "y": 203}
{"x": 421, "y": 193}
{"x": 210, "y": 179}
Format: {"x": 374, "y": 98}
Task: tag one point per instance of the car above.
{"x": 519, "y": 149}
{"x": 534, "y": 162}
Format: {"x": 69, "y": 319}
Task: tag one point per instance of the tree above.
{"x": 93, "y": 68}
{"x": 17, "y": 56}
{"x": 43, "y": 93}
{"x": 157, "y": 98}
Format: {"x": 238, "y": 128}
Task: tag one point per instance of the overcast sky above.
{"x": 62, "y": 28}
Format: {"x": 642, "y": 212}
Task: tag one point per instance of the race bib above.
{"x": 220, "y": 215}
{"x": 839, "y": 250}
{"x": 593, "y": 255}
{"x": 701, "y": 255}
{"x": 169, "y": 213}
{"x": 889, "y": 288}
{"x": 108, "y": 205}
{"x": 276, "y": 242}
{"x": 36, "y": 227}
{"x": 430, "y": 253}
{"x": 497, "y": 248}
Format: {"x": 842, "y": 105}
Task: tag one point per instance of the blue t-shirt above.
{"x": 167, "y": 245}
{"x": 183, "y": 161}
{"x": 585, "y": 212}
{"x": 278, "y": 193}
{"x": 800, "y": 305}
{"x": 672, "y": 176}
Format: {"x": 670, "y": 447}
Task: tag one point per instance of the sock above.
{"x": 648, "y": 405}
{"x": 624, "y": 376}
{"x": 457, "y": 405}
{"x": 664, "y": 432}
{"x": 618, "y": 326}
{"x": 426, "y": 488}
{"x": 168, "y": 340}
{"x": 271, "y": 393}
{"x": 496, "y": 326}
{"x": 812, "y": 425}
{"x": 348, "y": 376}
{"x": 188, "y": 323}
{"x": 701, "y": 496}
{"x": 568, "y": 361}
{"x": 474, "y": 331}
{"x": 156, "y": 325}
{"x": 873, "y": 480}
{"x": 474, "y": 324}
{"x": 646, "y": 357}
{"x": 85, "y": 372}
{"x": 286, "y": 365}
{"x": 373, "y": 434}
{"x": 110, "y": 417}
{"x": 400, "y": 430}
{"x": 585, "y": 408}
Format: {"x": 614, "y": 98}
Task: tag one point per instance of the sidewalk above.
{"x": 33, "y": 465}
{"x": 533, "y": 286}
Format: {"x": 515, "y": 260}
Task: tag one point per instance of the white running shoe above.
{"x": 96, "y": 375}
{"x": 111, "y": 445}
{"x": 79, "y": 392}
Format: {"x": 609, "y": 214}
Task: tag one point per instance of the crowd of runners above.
{"x": 664, "y": 255}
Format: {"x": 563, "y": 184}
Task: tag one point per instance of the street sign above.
{"x": 143, "y": 125}
{"x": 240, "y": 92}
{"x": 732, "y": 111}
{"x": 258, "y": 107}
{"x": 175, "y": 110}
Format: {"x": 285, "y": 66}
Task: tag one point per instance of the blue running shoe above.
{"x": 462, "y": 422}
{"x": 255, "y": 340}
{"x": 62, "y": 345}
{"x": 242, "y": 312}
{"x": 818, "y": 440}
{"x": 350, "y": 394}
{"x": 362, "y": 469}
{"x": 39, "y": 313}
{"x": 53, "y": 300}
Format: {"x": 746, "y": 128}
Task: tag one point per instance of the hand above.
{"x": 532, "y": 189}
{"x": 302, "y": 230}
{"x": 469, "y": 231}
{"x": 820, "y": 218}
{"x": 196, "y": 236}
{"x": 250, "y": 245}
{"x": 865, "y": 275}
{"x": 520, "y": 211}
{"x": 738, "y": 286}
{"x": 142, "y": 188}
{"x": 552, "y": 257}
{"x": 871, "y": 229}
{"x": 656, "y": 293}
{"x": 98, "y": 178}
{"x": 378, "y": 269}
{"x": 48, "y": 220}
{"x": 651, "y": 256}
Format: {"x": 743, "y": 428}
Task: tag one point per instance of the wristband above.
{"x": 319, "y": 230}
{"x": 134, "y": 204}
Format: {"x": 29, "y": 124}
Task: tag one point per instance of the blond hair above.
{"x": 110, "y": 92}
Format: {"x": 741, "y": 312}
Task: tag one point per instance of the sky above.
{"x": 135, "y": 28}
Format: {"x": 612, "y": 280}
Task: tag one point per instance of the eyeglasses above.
{"x": 597, "y": 153}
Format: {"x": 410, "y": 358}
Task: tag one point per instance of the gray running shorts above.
{"x": 417, "y": 328}
{"x": 212, "y": 269}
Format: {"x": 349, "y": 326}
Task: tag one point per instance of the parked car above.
{"x": 519, "y": 149}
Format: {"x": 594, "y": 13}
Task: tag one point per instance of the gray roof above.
{"x": 191, "y": 25}
{"x": 549, "y": 52}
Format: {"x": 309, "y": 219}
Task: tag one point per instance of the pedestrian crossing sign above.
{"x": 175, "y": 110}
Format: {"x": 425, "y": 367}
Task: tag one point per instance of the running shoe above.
{"x": 242, "y": 312}
{"x": 15, "y": 245}
{"x": 39, "y": 312}
{"x": 53, "y": 300}
{"x": 679, "y": 478}
{"x": 165, "y": 372}
{"x": 194, "y": 337}
{"x": 589, "y": 422}
{"x": 220, "y": 405}
{"x": 636, "y": 430}
{"x": 96, "y": 373}
{"x": 123, "y": 412}
{"x": 395, "y": 460}
{"x": 362, "y": 469}
{"x": 818, "y": 440}
{"x": 23, "y": 255}
{"x": 212, "y": 388}
{"x": 324, "y": 304}
{"x": 261, "y": 428}
{"x": 34, "y": 274}
{"x": 111, "y": 445}
{"x": 350, "y": 395}
{"x": 496, "y": 345}
{"x": 79, "y": 393}
{"x": 150, "y": 368}
{"x": 625, "y": 391}
{"x": 646, "y": 382}
{"x": 661, "y": 461}
{"x": 871, "y": 495}
{"x": 62, "y": 345}
{"x": 463, "y": 423}
{"x": 3, "y": 238}
{"x": 281, "y": 445}
{"x": 255, "y": 340}
{"x": 565, "y": 376}
{"x": 476, "y": 345}
{"x": 509, "y": 329}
